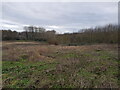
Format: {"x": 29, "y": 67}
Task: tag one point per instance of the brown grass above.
{"x": 88, "y": 66}
{"x": 13, "y": 51}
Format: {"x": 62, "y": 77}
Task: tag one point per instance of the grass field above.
{"x": 36, "y": 65}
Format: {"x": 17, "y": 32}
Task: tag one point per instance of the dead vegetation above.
{"x": 33, "y": 65}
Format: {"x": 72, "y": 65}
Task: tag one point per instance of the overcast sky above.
{"x": 60, "y": 16}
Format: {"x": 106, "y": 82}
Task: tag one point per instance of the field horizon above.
{"x": 60, "y": 44}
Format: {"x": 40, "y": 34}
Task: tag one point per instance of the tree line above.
{"x": 105, "y": 34}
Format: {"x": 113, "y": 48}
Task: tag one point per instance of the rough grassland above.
{"x": 34, "y": 65}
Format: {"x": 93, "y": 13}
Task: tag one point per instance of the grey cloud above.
{"x": 67, "y": 16}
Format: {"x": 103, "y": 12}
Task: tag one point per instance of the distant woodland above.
{"x": 105, "y": 34}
